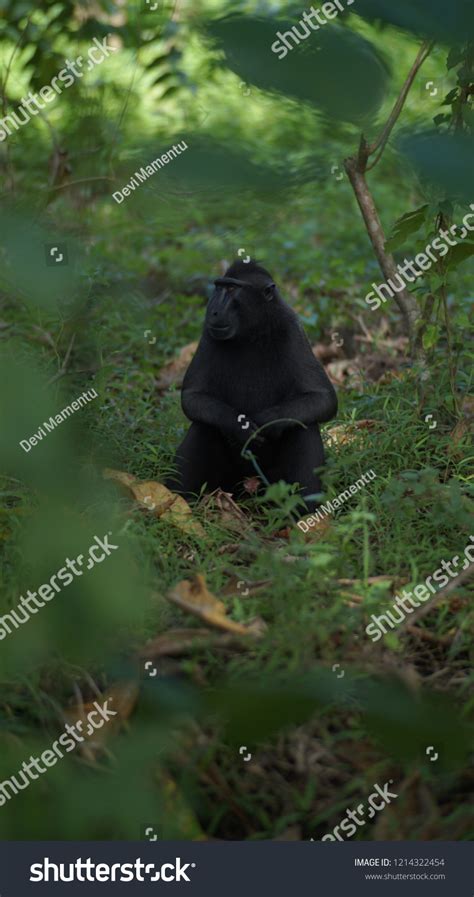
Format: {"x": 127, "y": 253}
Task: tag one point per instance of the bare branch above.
{"x": 380, "y": 143}
{"x": 433, "y": 602}
{"x": 65, "y": 363}
{"x": 74, "y": 183}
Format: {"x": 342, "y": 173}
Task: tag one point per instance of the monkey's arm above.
{"x": 206, "y": 409}
{"x": 316, "y": 403}
{"x": 309, "y": 408}
{"x": 200, "y": 402}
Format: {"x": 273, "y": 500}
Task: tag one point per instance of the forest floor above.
{"x": 246, "y": 608}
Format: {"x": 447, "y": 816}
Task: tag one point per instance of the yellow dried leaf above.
{"x": 155, "y": 497}
{"x": 193, "y": 595}
{"x": 121, "y": 699}
{"x": 317, "y": 531}
{"x": 120, "y": 476}
{"x": 160, "y": 501}
{"x": 345, "y": 433}
{"x": 176, "y": 642}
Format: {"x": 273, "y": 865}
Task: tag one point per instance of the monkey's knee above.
{"x": 200, "y": 461}
{"x": 299, "y": 460}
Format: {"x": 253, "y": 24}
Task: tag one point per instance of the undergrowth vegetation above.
{"x": 324, "y": 712}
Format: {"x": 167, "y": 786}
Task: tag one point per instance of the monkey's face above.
{"x": 237, "y": 309}
{"x": 224, "y": 312}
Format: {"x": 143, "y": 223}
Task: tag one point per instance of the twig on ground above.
{"x": 64, "y": 365}
{"x": 433, "y": 602}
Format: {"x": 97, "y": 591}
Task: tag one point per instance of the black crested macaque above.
{"x": 253, "y": 366}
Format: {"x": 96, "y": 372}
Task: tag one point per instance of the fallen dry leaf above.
{"x": 120, "y": 476}
{"x": 282, "y": 533}
{"x": 175, "y": 642}
{"x": 344, "y": 373}
{"x": 193, "y": 595}
{"x": 178, "y": 642}
{"x": 317, "y": 531}
{"x": 119, "y": 698}
{"x": 238, "y": 585}
{"x": 184, "y": 552}
{"x": 464, "y": 426}
{"x": 251, "y": 485}
{"x": 326, "y": 354}
{"x": 376, "y": 366}
{"x": 392, "y": 375}
{"x": 399, "y": 344}
{"x": 229, "y": 548}
{"x": 229, "y": 512}
{"x": 173, "y": 372}
{"x": 159, "y": 500}
{"x": 355, "y": 371}
{"x": 342, "y": 434}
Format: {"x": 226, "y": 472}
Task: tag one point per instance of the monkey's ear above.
{"x": 269, "y": 291}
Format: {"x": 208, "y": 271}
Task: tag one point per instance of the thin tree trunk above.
{"x": 407, "y": 303}
{"x": 356, "y": 168}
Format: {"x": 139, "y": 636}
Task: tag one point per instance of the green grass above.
{"x": 319, "y": 740}
{"x": 313, "y": 752}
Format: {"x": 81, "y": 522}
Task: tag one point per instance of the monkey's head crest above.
{"x": 249, "y": 276}
{"x": 243, "y": 304}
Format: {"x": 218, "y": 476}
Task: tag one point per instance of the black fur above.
{"x": 253, "y": 359}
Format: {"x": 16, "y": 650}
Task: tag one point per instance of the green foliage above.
{"x": 444, "y": 160}
{"x": 394, "y": 716}
{"x": 315, "y": 72}
{"x": 448, "y": 23}
{"x": 406, "y": 225}
{"x": 261, "y": 176}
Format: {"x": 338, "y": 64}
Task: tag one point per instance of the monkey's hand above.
{"x": 246, "y": 431}
{"x": 274, "y": 423}
{"x": 206, "y": 409}
{"x": 314, "y": 406}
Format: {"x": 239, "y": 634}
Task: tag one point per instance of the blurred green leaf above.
{"x": 407, "y": 224}
{"x": 458, "y": 254}
{"x": 28, "y": 269}
{"x": 334, "y": 69}
{"x": 431, "y": 336}
{"x": 447, "y": 23}
{"x": 403, "y": 722}
{"x": 206, "y": 167}
{"x": 445, "y": 160}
